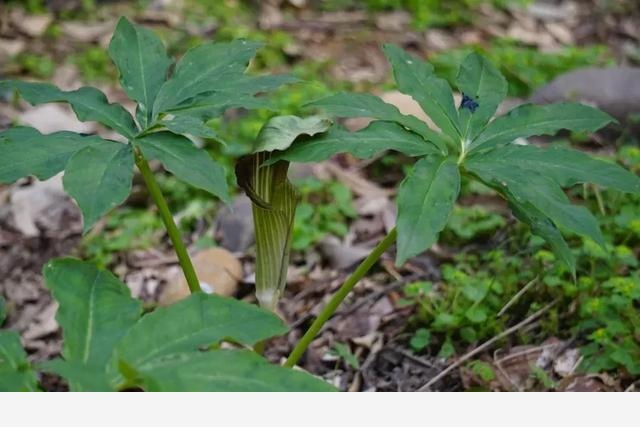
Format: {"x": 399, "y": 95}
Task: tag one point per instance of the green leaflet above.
{"x": 251, "y": 85}
{"x": 143, "y": 64}
{"x": 25, "y": 151}
{"x": 205, "y": 68}
{"x": 15, "y": 372}
{"x": 367, "y": 105}
{"x": 280, "y": 132}
{"x": 425, "y": 201}
{"x": 416, "y": 78}
{"x": 198, "y": 321}
{"x": 99, "y": 178}
{"x": 190, "y": 117}
{"x": 88, "y": 103}
{"x": 225, "y": 370}
{"x": 96, "y": 310}
{"x": 529, "y": 120}
{"x": 187, "y": 162}
{"x": 379, "y": 136}
{"x": 481, "y": 80}
{"x": 565, "y": 166}
{"x": 184, "y": 124}
{"x": 542, "y": 226}
{"x": 543, "y": 193}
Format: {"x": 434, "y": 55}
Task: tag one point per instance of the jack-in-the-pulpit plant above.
{"x": 109, "y": 344}
{"x": 468, "y": 142}
{"x": 173, "y": 100}
{"x": 274, "y": 200}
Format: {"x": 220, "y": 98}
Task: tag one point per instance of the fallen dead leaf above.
{"x": 29, "y": 203}
{"x": 30, "y": 25}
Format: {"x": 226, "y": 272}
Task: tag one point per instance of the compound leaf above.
{"x": 25, "y": 151}
{"x": 88, "y": 103}
{"x": 378, "y": 137}
{"x": 481, "y": 81}
{"x": 99, "y": 178}
{"x": 187, "y": 162}
{"x": 416, "y": 78}
{"x": 95, "y": 311}
{"x": 205, "y": 68}
{"x": 367, "y": 105}
{"x": 565, "y": 166}
{"x": 425, "y": 201}
{"x": 198, "y": 321}
{"x": 225, "y": 370}
{"x": 529, "y": 120}
{"x": 143, "y": 64}
{"x": 15, "y": 371}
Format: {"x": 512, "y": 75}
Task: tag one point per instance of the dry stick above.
{"x": 516, "y": 296}
{"x": 486, "y": 345}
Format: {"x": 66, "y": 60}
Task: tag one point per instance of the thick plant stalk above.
{"x": 339, "y": 296}
{"x": 170, "y": 225}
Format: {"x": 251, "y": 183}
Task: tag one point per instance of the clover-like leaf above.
{"x": 425, "y": 201}
{"x": 187, "y": 162}
{"x": 99, "y": 178}
{"x": 88, "y": 103}
{"x": 143, "y": 63}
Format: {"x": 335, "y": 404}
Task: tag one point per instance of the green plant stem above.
{"x": 170, "y": 225}
{"x": 338, "y": 297}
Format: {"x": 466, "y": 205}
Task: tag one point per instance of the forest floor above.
{"x": 487, "y": 308}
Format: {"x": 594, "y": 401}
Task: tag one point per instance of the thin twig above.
{"x": 486, "y": 345}
{"x": 516, "y": 296}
